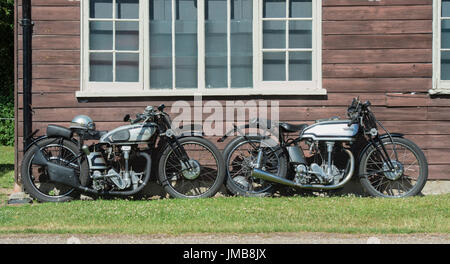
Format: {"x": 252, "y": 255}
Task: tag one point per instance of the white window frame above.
{"x": 107, "y": 89}
{"x": 439, "y": 86}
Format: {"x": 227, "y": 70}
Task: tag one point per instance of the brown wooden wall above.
{"x": 381, "y": 51}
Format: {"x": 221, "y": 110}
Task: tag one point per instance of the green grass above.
{"x": 430, "y": 214}
{"x": 6, "y": 167}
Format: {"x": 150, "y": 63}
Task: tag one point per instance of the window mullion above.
{"x": 229, "y": 43}
{"x": 144, "y": 48}
{"x": 201, "y": 76}
{"x": 114, "y": 38}
{"x": 173, "y": 43}
{"x": 287, "y": 41}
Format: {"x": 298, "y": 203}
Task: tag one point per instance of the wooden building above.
{"x": 107, "y": 58}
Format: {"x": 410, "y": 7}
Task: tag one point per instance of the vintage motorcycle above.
{"x": 388, "y": 165}
{"x": 60, "y": 165}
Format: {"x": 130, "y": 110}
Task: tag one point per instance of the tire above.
{"x": 241, "y": 187}
{"x": 34, "y": 178}
{"x": 413, "y": 164}
{"x": 209, "y": 178}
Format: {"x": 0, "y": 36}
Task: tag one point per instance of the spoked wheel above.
{"x": 200, "y": 177}
{"x": 241, "y": 155}
{"x": 35, "y": 178}
{"x": 408, "y": 176}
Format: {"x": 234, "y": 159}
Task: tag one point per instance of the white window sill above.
{"x": 439, "y": 91}
{"x": 195, "y": 92}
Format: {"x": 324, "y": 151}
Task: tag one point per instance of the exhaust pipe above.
{"x": 258, "y": 173}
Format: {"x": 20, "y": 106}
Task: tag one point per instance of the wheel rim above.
{"x": 402, "y": 180}
{"x": 192, "y": 183}
{"x": 239, "y": 167}
{"x": 60, "y": 155}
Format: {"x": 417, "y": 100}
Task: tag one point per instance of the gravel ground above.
{"x": 272, "y": 238}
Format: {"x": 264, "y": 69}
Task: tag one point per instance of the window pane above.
{"x": 274, "y": 66}
{"x": 100, "y": 35}
{"x": 445, "y": 37}
{"x": 100, "y": 9}
{"x": 300, "y": 34}
{"x": 241, "y": 44}
{"x": 300, "y": 66}
{"x": 216, "y": 44}
{"x": 186, "y": 44}
{"x": 127, "y": 35}
{"x": 101, "y": 67}
{"x": 127, "y": 67}
{"x": 274, "y": 34}
{"x": 445, "y": 65}
{"x": 300, "y": 8}
{"x": 445, "y": 8}
{"x": 274, "y": 8}
{"x": 127, "y": 9}
{"x": 160, "y": 44}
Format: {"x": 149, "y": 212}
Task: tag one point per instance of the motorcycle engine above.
{"x": 307, "y": 175}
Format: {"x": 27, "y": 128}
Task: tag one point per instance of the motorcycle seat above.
{"x": 292, "y": 128}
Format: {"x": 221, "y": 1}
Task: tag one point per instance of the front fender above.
{"x": 190, "y": 134}
{"x": 188, "y": 131}
{"x": 382, "y": 136}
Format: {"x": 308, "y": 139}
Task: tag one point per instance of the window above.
{"x": 212, "y": 47}
{"x": 441, "y": 48}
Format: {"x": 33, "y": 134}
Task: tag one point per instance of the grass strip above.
{"x": 430, "y": 214}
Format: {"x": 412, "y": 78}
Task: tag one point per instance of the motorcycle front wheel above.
{"x": 199, "y": 177}
{"x": 406, "y": 179}
{"x": 35, "y": 179}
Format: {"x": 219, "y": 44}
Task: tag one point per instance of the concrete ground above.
{"x": 271, "y": 238}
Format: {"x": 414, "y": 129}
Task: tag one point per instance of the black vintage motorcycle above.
{"x": 58, "y": 166}
{"x": 389, "y": 164}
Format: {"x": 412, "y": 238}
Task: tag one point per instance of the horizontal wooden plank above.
{"x": 418, "y": 128}
{"x": 377, "y": 27}
{"x": 53, "y": 57}
{"x": 71, "y": 72}
{"x": 54, "y": 28}
{"x": 54, "y": 13}
{"x": 431, "y": 141}
{"x": 403, "y": 41}
{"x": 43, "y": 42}
{"x": 52, "y": 2}
{"x": 439, "y": 172}
{"x": 371, "y": 3}
{"x": 354, "y": 13}
{"x": 399, "y": 100}
{"x": 438, "y": 156}
{"x": 68, "y": 100}
{"x": 381, "y": 70}
{"x": 364, "y": 85}
{"x": 435, "y": 103}
{"x": 51, "y": 85}
{"x": 377, "y": 56}
{"x": 113, "y": 114}
{"x": 438, "y": 113}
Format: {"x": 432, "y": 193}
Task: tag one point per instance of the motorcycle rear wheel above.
{"x": 34, "y": 178}
{"x": 409, "y": 177}
{"x": 238, "y": 178}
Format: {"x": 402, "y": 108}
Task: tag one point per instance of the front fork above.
{"x": 179, "y": 151}
{"x": 383, "y": 152}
